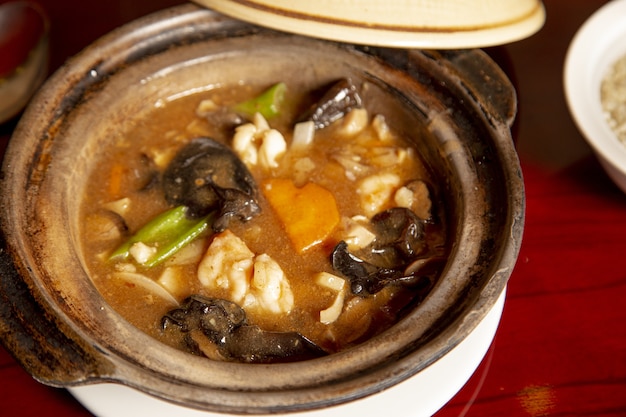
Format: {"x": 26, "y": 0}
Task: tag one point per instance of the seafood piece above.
{"x": 255, "y": 282}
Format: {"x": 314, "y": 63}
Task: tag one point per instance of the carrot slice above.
{"x": 309, "y": 214}
{"x": 116, "y": 177}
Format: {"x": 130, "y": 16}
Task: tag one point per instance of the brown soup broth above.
{"x": 126, "y": 179}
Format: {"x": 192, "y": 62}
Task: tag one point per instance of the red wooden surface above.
{"x": 561, "y": 346}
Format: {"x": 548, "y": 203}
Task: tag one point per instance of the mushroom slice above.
{"x": 225, "y": 326}
{"x": 147, "y": 284}
{"x": 206, "y": 175}
{"x": 105, "y": 226}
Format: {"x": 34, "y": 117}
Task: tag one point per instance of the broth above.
{"x": 352, "y": 170}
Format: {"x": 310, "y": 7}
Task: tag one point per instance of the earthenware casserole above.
{"x": 62, "y": 331}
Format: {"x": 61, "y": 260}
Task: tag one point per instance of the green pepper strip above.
{"x": 267, "y": 103}
{"x": 180, "y": 242}
{"x": 171, "y": 230}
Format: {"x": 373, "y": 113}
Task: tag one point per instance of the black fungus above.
{"x": 365, "y": 277}
{"x": 400, "y": 236}
{"x": 338, "y": 100}
{"x": 224, "y": 324}
{"x": 205, "y": 175}
{"x": 398, "y": 255}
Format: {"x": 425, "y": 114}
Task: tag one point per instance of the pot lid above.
{"x": 426, "y": 24}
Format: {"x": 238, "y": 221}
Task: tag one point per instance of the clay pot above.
{"x": 63, "y": 332}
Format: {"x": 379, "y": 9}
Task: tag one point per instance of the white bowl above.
{"x": 599, "y": 42}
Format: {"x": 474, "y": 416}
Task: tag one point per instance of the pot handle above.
{"x": 485, "y": 80}
{"x": 52, "y": 355}
{"x": 471, "y": 70}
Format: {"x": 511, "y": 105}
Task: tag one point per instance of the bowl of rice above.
{"x": 595, "y": 86}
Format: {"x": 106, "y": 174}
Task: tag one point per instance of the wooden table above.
{"x": 561, "y": 346}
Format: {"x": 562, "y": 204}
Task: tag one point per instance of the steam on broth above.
{"x": 263, "y": 226}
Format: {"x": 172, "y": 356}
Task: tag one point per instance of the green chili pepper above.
{"x": 170, "y": 231}
{"x": 268, "y": 103}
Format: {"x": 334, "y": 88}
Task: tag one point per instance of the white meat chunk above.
{"x": 257, "y": 144}
{"x": 269, "y": 288}
{"x": 272, "y": 147}
{"x": 383, "y": 131}
{"x": 254, "y": 282}
{"x": 227, "y": 264}
{"x": 416, "y": 197}
{"x": 243, "y": 144}
{"x": 354, "y": 122}
{"x": 376, "y": 192}
{"x": 338, "y": 285}
{"x": 121, "y": 206}
{"x": 141, "y": 252}
{"x": 355, "y": 233}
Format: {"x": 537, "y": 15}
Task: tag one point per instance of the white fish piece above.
{"x": 270, "y": 287}
{"x": 227, "y": 264}
{"x": 254, "y": 282}
{"x": 141, "y": 252}
{"x": 376, "y": 192}
{"x": 355, "y": 233}
{"x": 243, "y": 144}
{"x": 335, "y": 283}
{"x": 273, "y": 146}
{"x": 354, "y": 122}
{"x": 257, "y": 144}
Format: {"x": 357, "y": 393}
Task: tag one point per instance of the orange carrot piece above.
{"x": 309, "y": 214}
{"x": 116, "y": 176}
